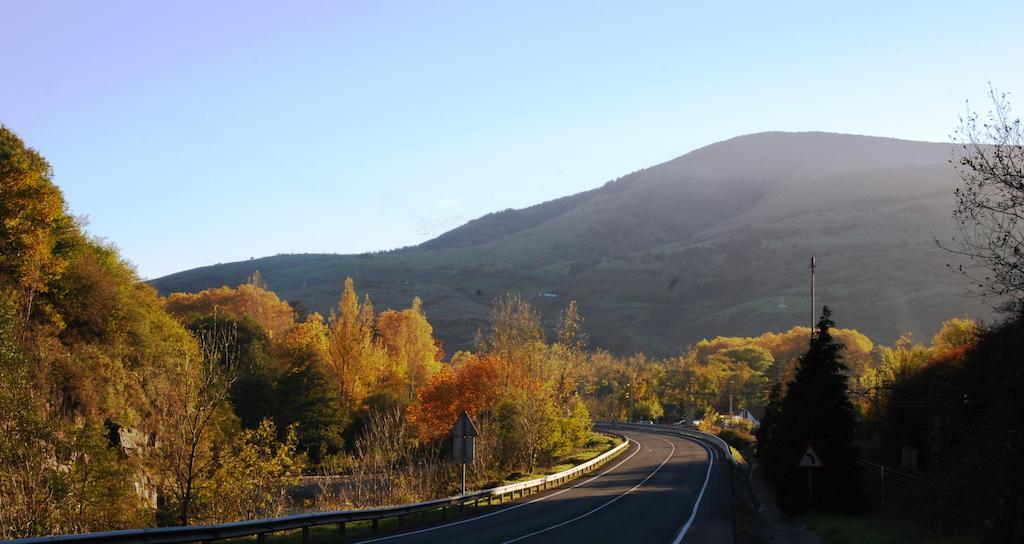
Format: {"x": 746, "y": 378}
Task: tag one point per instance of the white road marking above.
{"x": 696, "y": 503}
{"x": 510, "y": 508}
{"x": 581, "y": 516}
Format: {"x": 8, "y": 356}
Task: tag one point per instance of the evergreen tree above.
{"x": 252, "y": 387}
{"x": 305, "y": 397}
{"x": 767, "y": 430}
{"x": 816, "y": 411}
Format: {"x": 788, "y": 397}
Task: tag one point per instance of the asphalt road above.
{"x": 664, "y": 488}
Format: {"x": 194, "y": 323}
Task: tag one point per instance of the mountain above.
{"x": 715, "y": 242}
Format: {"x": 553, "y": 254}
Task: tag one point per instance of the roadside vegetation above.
{"x": 120, "y": 408}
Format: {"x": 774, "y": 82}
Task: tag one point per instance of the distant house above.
{"x": 753, "y": 415}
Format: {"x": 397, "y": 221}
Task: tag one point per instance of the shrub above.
{"x": 737, "y": 438}
{"x": 710, "y": 421}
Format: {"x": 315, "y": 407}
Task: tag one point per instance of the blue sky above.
{"x": 192, "y": 133}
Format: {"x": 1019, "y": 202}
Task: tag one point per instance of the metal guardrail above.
{"x": 889, "y": 474}
{"x": 682, "y": 431}
{"x": 261, "y": 527}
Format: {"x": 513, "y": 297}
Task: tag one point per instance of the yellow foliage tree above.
{"x": 33, "y": 220}
{"x": 408, "y": 339}
{"x": 354, "y": 359}
{"x": 309, "y": 335}
{"x": 255, "y": 474}
{"x": 517, "y": 337}
{"x": 955, "y": 333}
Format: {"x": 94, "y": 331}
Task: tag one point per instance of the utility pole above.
{"x": 813, "y": 311}
{"x": 629, "y": 394}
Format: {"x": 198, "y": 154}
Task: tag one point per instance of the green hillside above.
{"x": 715, "y": 242}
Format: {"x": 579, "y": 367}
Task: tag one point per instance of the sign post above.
{"x": 810, "y": 461}
{"x": 464, "y": 443}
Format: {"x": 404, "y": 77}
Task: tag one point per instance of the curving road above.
{"x": 663, "y": 488}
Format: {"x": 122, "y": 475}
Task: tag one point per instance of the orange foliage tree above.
{"x": 475, "y": 386}
{"x": 250, "y": 299}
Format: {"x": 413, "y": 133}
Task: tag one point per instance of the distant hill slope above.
{"x": 715, "y": 242}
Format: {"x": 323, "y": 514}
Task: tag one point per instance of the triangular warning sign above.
{"x": 810, "y": 459}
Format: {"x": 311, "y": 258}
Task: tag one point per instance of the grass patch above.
{"x": 874, "y": 528}
{"x": 596, "y": 444}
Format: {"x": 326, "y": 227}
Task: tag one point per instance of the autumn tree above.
{"x": 254, "y": 475}
{"x": 100, "y": 492}
{"x": 191, "y": 400}
{"x": 516, "y": 335}
{"x": 694, "y": 386}
{"x": 896, "y": 362}
{"x": 954, "y": 334}
{"x": 387, "y": 445}
{"x": 33, "y": 223}
{"x": 250, "y": 300}
{"x": 568, "y": 355}
{"x": 475, "y": 385}
{"x": 602, "y": 385}
{"x": 310, "y": 335}
{"x": 26, "y": 452}
{"x": 354, "y": 359}
{"x": 527, "y": 423}
{"x": 408, "y": 339}
{"x": 743, "y": 368}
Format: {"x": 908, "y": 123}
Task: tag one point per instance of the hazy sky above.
{"x": 193, "y": 133}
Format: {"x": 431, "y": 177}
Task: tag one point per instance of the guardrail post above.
{"x": 341, "y": 529}
{"x": 261, "y": 538}
{"x": 305, "y": 535}
{"x": 376, "y": 524}
{"x": 401, "y": 519}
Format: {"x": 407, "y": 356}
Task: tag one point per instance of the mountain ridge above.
{"x": 712, "y": 242}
